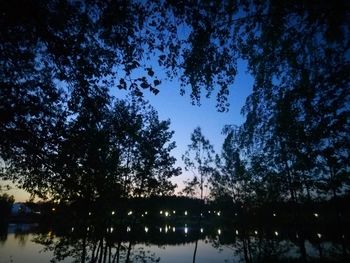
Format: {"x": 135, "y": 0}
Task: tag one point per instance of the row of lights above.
{"x": 274, "y": 214}
{"x": 166, "y": 213}
{"x": 167, "y": 228}
{"x": 113, "y": 213}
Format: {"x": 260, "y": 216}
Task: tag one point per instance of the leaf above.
{"x": 156, "y": 82}
{"x": 155, "y": 91}
{"x": 150, "y": 72}
{"x": 144, "y": 85}
{"x": 122, "y": 84}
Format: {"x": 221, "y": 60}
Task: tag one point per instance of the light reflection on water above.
{"x": 24, "y": 243}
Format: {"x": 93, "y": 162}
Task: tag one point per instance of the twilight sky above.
{"x": 185, "y": 117}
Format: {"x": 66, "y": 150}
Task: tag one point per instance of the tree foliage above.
{"x": 295, "y": 137}
{"x": 107, "y": 150}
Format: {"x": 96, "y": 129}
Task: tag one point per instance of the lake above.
{"x": 169, "y": 243}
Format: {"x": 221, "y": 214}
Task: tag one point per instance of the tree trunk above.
{"x": 83, "y": 254}
{"x": 195, "y": 251}
{"x": 303, "y": 254}
{"x": 101, "y": 251}
{"x": 128, "y": 254}
{"x": 105, "y": 253}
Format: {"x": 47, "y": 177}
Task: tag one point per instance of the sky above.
{"x": 185, "y": 117}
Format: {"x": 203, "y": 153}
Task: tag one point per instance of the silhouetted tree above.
{"x": 6, "y": 202}
{"x": 231, "y": 179}
{"x": 104, "y": 152}
{"x": 198, "y": 159}
{"x": 297, "y": 54}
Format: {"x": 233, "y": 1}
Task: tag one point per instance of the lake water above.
{"x": 27, "y": 243}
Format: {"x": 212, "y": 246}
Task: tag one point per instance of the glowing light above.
{"x": 160, "y": 230}
{"x": 201, "y": 215}
{"x": 146, "y": 229}
{"x": 173, "y": 229}
{"x": 319, "y": 235}
{"x": 89, "y": 213}
{"x": 219, "y": 213}
{"x": 174, "y": 212}
{"x": 297, "y": 236}
{"x": 146, "y": 213}
{"x": 209, "y": 211}
{"x": 161, "y": 212}
{"x": 255, "y": 232}
{"x": 142, "y": 215}
{"x": 237, "y": 232}
{"x": 128, "y": 229}
{"x": 186, "y": 230}
{"x": 201, "y": 230}
{"x": 130, "y": 213}
{"x": 88, "y": 228}
{"x": 316, "y": 215}
{"x": 166, "y": 229}
{"x": 111, "y": 230}
{"x": 219, "y": 231}
{"x": 276, "y": 233}
{"x": 185, "y": 213}
{"x": 113, "y": 212}
{"x": 274, "y": 214}
{"x": 53, "y": 209}
{"x": 72, "y": 229}
{"x": 166, "y": 214}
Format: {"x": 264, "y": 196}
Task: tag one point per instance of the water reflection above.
{"x": 154, "y": 243}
